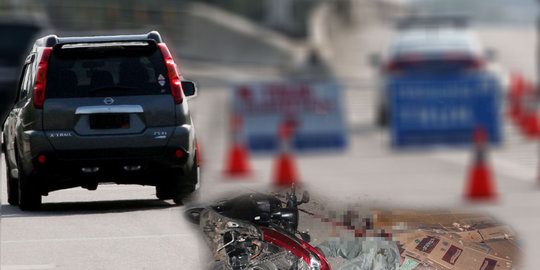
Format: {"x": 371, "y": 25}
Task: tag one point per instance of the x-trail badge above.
{"x": 108, "y": 100}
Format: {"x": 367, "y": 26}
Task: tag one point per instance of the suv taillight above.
{"x": 476, "y": 64}
{"x": 174, "y": 80}
{"x": 392, "y": 67}
{"x": 41, "y": 79}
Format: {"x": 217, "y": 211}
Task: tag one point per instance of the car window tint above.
{"x": 434, "y": 41}
{"x": 107, "y": 72}
{"x": 26, "y": 82}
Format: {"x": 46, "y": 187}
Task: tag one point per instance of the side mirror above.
{"x": 490, "y": 54}
{"x": 305, "y": 197}
{"x": 375, "y": 60}
{"x": 189, "y": 88}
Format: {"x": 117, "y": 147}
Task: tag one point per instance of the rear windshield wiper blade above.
{"x": 106, "y": 88}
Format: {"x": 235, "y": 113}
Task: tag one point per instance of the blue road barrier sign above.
{"x": 315, "y": 106}
{"x": 443, "y": 110}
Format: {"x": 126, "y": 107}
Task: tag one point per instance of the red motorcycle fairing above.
{"x": 297, "y": 247}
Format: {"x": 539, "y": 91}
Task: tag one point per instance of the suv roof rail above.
{"x": 52, "y": 40}
{"x": 47, "y": 41}
{"x": 155, "y": 36}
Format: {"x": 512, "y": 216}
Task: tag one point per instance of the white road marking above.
{"x": 78, "y": 239}
{"x": 28, "y": 267}
{"x": 15, "y": 215}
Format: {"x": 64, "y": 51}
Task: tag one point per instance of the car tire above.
{"x": 29, "y": 196}
{"x": 177, "y": 186}
{"x": 172, "y": 189}
{"x": 12, "y": 186}
{"x": 187, "y": 189}
{"x": 194, "y": 176}
{"x": 164, "y": 191}
{"x": 12, "y": 183}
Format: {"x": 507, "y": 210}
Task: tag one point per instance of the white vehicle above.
{"x": 425, "y": 49}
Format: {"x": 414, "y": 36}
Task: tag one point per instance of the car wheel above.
{"x": 189, "y": 185}
{"x": 12, "y": 185}
{"x": 170, "y": 186}
{"x": 164, "y": 191}
{"x": 29, "y": 196}
{"x": 194, "y": 176}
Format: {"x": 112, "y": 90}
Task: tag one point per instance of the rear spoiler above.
{"x": 135, "y": 43}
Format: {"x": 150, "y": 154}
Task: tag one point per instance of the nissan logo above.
{"x": 108, "y": 100}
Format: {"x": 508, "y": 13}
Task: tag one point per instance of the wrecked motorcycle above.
{"x": 256, "y": 231}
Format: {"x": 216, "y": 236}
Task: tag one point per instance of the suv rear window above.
{"x": 112, "y": 69}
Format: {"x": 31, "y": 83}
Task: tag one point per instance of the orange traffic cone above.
{"x": 285, "y": 173}
{"x": 514, "y": 96}
{"x": 237, "y": 162}
{"x": 480, "y": 179}
{"x": 529, "y": 122}
{"x": 531, "y": 125}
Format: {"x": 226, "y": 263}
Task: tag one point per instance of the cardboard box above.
{"x": 497, "y": 232}
{"x": 451, "y": 252}
{"x": 449, "y": 240}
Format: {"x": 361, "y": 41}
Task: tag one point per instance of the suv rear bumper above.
{"x": 58, "y": 173}
{"x": 150, "y": 165}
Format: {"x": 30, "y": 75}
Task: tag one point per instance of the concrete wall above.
{"x": 208, "y": 33}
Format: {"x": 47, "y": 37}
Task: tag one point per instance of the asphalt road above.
{"x": 125, "y": 227}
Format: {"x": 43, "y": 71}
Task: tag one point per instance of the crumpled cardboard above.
{"x": 449, "y": 240}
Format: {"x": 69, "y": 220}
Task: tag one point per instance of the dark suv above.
{"x": 100, "y": 109}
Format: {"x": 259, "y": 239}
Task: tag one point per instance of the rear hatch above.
{"x": 108, "y": 95}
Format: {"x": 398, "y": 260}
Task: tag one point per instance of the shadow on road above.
{"x": 84, "y": 208}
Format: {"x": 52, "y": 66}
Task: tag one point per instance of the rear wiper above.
{"x": 99, "y": 89}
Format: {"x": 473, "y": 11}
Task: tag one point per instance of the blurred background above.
{"x": 384, "y": 97}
